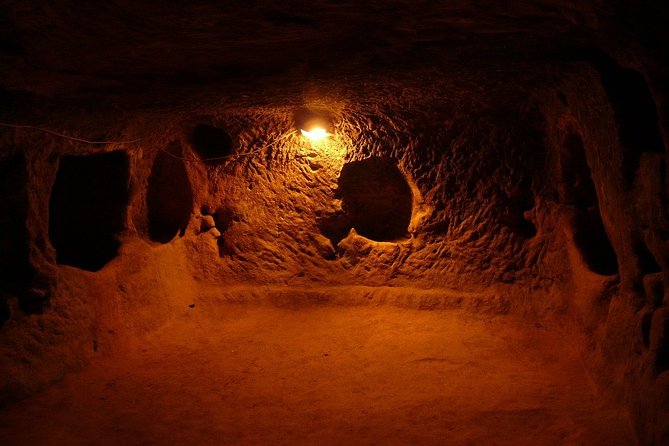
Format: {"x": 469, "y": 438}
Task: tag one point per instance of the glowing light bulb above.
{"x": 315, "y": 133}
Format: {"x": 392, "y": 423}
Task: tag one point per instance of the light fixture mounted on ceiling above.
{"x": 316, "y": 133}
{"x": 315, "y": 125}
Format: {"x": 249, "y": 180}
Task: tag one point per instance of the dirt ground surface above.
{"x": 327, "y": 375}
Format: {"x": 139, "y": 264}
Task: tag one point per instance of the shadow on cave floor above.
{"x": 326, "y": 375}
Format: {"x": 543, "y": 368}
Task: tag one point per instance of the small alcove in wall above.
{"x": 211, "y": 143}
{"x": 576, "y": 189}
{"x": 169, "y": 197}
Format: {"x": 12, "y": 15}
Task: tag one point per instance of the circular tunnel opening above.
{"x": 376, "y": 202}
{"x": 211, "y": 143}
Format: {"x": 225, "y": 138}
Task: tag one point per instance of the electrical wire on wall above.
{"x": 133, "y": 141}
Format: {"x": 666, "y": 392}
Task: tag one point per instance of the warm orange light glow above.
{"x": 315, "y": 134}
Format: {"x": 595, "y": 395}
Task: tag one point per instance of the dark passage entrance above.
{"x": 376, "y": 201}
{"x": 211, "y": 143}
{"x": 15, "y": 269}
{"x": 576, "y": 188}
{"x": 87, "y": 209}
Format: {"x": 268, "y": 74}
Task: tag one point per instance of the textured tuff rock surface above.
{"x": 501, "y": 158}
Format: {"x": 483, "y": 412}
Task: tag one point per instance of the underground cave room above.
{"x": 334, "y": 223}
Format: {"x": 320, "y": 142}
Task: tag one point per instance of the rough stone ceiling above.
{"x": 151, "y": 48}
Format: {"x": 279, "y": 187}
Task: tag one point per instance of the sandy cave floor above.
{"x": 247, "y": 374}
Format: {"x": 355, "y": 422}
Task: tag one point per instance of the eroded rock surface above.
{"x": 498, "y": 157}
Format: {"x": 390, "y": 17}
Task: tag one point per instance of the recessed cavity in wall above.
{"x": 5, "y": 312}
{"x": 646, "y": 261}
{"x": 224, "y": 218}
{"x": 376, "y": 202}
{"x": 87, "y": 208}
{"x": 576, "y": 188}
{"x": 211, "y": 143}
{"x": 518, "y": 203}
{"x": 169, "y": 198}
{"x": 593, "y": 243}
{"x": 659, "y": 339}
{"x": 574, "y": 183}
{"x": 635, "y": 110}
{"x": 15, "y": 269}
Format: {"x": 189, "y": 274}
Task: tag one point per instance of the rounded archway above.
{"x": 169, "y": 198}
{"x": 212, "y": 144}
{"x": 376, "y": 201}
